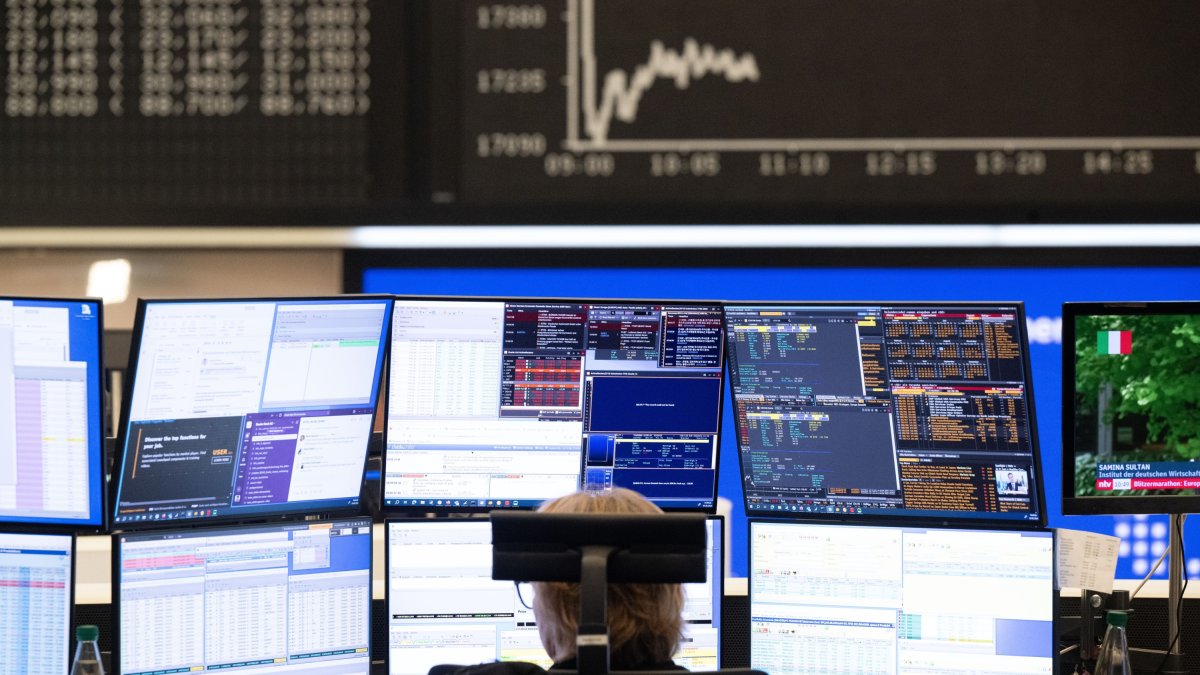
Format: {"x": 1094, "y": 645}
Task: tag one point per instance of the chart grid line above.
{"x": 1115, "y": 143}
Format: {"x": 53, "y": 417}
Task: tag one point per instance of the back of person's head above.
{"x": 644, "y": 620}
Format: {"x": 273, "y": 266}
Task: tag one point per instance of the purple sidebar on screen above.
{"x": 264, "y": 471}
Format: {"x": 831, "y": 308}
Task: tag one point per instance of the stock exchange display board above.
{"x": 186, "y": 103}
{"x": 791, "y": 101}
{"x": 374, "y": 110}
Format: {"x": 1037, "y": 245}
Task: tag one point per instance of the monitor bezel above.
{"x": 1055, "y": 589}
{"x": 880, "y": 517}
{"x": 99, "y": 522}
{"x": 161, "y": 533}
{"x": 718, "y": 579}
{"x": 70, "y": 635}
{"x": 297, "y": 513}
{"x": 402, "y": 511}
{"x": 1072, "y": 504}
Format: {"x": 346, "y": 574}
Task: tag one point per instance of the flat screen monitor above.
{"x": 243, "y": 408}
{"x": 497, "y": 403}
{"x": 277, "y": 598}
{"x": 51, "y": 412}
{"x": 444, "y": 607}
{"x": 854, "y": 410}
{"x": 36, "y": 595}
{"x": 851, "y": 598}
{"x": 1131, "y": 407}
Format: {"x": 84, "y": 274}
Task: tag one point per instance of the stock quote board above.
{"x": 178, "y": 104}
{"x": 385, "y": 111}
{"x": 920, "y": 102}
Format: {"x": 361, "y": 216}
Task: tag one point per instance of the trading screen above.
{"x": 444, "y": 606}
{"x": 280, "y": 599}
{"x": 895, "y": 410}
{"x": 35, "y": 603}
{"x": 51, "y": 428}
{"x": 854, "y": 599}
{"x": 243, "y": 407}
{"x": 507, "y": 403}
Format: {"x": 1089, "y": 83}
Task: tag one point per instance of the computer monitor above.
{"x": 503, "y": 403}
{"x": 915, "y": 410}
{"x": 51, "y": 412}
{"x": 243, "y": 408}
{"x": 444, "y": 607}
{"x": 1131, "y": 421}
{"x": 863, "y": 599}
{"x": 277, "y": 598}
{"x": 37, "y": 592}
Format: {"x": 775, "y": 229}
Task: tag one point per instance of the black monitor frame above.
{"x": 71, "y": 579}
{"x": 655, "y": 549}
{"x": 1113, "y": 505}
{"x": 1056, "y": 653}
{"x": 227, "y": 528}
{"x": 969, "y": 519}
{"x": 229, "y": 519}
{"x": 97, "y": 473}
{"x": 399, "y": 512}
{"x": 719, "y": 561}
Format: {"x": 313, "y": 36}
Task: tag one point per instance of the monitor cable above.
{"x": 1157, "y": 564}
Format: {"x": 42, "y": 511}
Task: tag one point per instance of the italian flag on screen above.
{"x": 1114, "y": 342}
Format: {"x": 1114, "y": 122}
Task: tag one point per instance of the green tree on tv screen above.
{"x": 1157, "y": 380}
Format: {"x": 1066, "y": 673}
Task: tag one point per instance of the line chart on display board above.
{"x": 805, "y": 101}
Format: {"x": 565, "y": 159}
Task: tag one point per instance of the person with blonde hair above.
{"x": 645, "y": 621}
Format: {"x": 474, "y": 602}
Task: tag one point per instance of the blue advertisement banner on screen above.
{"x": 1042, "y": 289}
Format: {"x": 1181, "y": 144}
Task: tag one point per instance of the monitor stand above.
{"x": 1174, "y": 662}
{"x": 1170, "y": 661}
{"x": 1142, "y": 660}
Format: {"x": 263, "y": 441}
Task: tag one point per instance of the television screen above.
{"x": 900, "y": 599}
{"x": 280, "y": 598}
{"x": 51, "y": 412}
{"x": 36, "y": 592}
{"x": 444, "y": 607}
{"x": 1131, "y": 408}
{"x": 503, "y": 403}
{"x": 249, "y": 407}
{"x": 847, "y": 410}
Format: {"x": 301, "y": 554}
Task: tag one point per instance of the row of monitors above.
{"x": 240, "y": 408}
{"x": 296, "y": 597}
{"x": 250, "y": 408}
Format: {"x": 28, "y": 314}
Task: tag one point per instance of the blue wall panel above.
{"x": 1043, "y": 290}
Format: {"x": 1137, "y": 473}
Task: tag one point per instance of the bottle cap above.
{"x": 87, "y": 633}
{"x": 1118, "y": 618}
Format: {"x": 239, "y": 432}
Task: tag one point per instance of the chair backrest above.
{"x": 497, "y": 668}
{"x": 723, "y": 671}
{"x": 519, "y": 668}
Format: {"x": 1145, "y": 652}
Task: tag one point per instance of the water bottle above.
{"x": 1114, "y": 651}
{"x": 87, "y": 652}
